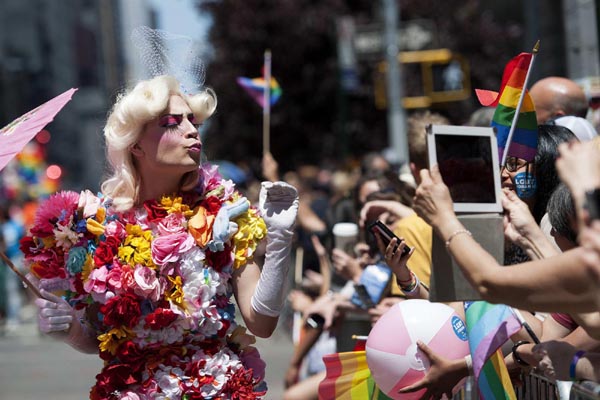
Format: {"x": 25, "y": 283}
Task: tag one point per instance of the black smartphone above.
{"x": 386, "y": 235}
{"x": 592, "y": 203}
{"x": 315, "y": 321}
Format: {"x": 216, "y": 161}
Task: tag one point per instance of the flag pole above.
{"x": 267, "y": 103}
{"x": 525, "y": 325}
{"x": 23, "y": 278}
{"x": 519, "y": 104}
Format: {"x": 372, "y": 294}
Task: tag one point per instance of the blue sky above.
{"x": 181, "y": 17}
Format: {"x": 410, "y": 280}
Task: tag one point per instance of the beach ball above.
{"x": 393, "y": 357}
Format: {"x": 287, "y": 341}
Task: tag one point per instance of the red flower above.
{"x": 212, "y": 204}
{"x": 218, "y": 259}
{"x": 106, "y": 251}
{"x": 123, "y": 310}
{"x": 49, "y": 264}
{"x": 155, "y": 210}
{"x": 160, "y": 318}
{"x": 223, "y": 331}
{"x": 113, "y": 377}
{"x": 241, "y": 386}
{"x": 28, "y": 246}
{"x": 129, "y": 353}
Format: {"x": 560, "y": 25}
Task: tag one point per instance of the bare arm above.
{"x": 544, "y": 285}
{"x": 244, "y": 282}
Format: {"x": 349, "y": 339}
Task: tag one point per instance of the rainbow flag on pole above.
{"x": 256, "y": 89}
{"x": 489, "y": 326}
{"x": 523, "y": 143}
{"x": 348, "y": 378}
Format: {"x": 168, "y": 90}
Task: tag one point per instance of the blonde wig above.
{"x": 131, "y": 112}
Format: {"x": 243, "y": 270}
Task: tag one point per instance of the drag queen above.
{"x": 143, "y": 274}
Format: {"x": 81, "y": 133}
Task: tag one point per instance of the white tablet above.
{"x": 468, "y": 161}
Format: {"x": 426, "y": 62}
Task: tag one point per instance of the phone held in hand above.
{"x": 315, "y": 321}
{"x": 386, "y": 235}
{"x": 372, "y": 285}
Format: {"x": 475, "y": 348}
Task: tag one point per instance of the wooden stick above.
{"x": 24, "y": 279}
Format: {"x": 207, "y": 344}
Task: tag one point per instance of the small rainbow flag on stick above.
{"x": 348, "y": 378}
{"x": 256, "y": 89}
{"x": 489, "y": 326}
{"x": 515, "y": 120}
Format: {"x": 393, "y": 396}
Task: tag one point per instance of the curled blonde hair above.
{"x": 126, "y": 121}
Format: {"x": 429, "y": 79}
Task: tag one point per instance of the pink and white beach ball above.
{"x": 393, "y": 357}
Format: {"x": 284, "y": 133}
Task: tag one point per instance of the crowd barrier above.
{"x": 538, "y": 387}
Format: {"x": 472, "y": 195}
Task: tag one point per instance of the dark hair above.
{"x": 389, "y": 183}
{"x": 549, "y": 137}
{"x": 367, "y": 161}
{"x": 561, "y": 212}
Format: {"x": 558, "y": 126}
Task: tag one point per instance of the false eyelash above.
{"x": 170, "y": 121}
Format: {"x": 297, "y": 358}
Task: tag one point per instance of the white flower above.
{"x": 65, "y": 237}
{"x": 168, "y": 381}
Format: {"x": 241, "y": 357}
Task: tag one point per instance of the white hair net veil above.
{"x": 165, "y": 53}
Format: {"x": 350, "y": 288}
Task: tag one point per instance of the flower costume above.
{"x": 153, "y": 286}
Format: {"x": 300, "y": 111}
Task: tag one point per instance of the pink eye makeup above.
{"x": 170, "y": 120}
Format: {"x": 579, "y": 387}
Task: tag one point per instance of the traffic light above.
{"x": 430, "y": 76}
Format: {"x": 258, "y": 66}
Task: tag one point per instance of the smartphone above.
{"x": 386, "y": 235}
{"x": 315, "y": 321}
{"x": 361, "y": 297}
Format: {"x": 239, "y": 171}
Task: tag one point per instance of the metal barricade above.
{"x": 537, "y": 387}
{"x": 585, "y": 390}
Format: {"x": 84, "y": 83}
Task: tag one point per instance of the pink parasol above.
{"x": 15, "y": 135}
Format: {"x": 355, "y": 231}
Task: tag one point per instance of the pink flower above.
{"x": 171, "y": 224}
{"x": 56, "y": 209}
{"x": 210, "y": 177}
{"x": 114, "y": 277}
{"x": 148, "y": 285}
{"x": 168, "y": 248}
{"x": 127, "y": 395}
{"x": 96, "y": 281}
{"x": 89, "y": 203}
{"x": 115, "y": 228}
{"x": 251, "y": 359}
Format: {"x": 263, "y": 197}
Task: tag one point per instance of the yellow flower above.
{"x": 175, "y": 205}
{"x": 200, "y": 226}
{"x": 136, "y": 248}
{"x": 251, "y": 230}
{"x": 175, "y": 293}
{"x": 94, "y": 227}
{"x": 111, "y": 340}
{"x": 101, "y": 214}
{"x": 241, "y": 338}
{"x": 87, "y": 268}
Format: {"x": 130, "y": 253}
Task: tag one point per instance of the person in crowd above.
{"x": 11, "y": 230}
{"x": 151, "y": 266}
{"x": 556, "y": 96}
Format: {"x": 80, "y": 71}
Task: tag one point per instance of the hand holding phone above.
{"x": 386, "y": 235}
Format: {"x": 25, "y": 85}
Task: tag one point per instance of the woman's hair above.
{"x": 549, "y": 137}
{"x": 131, "y": 112}
{"x": 561, "y": 212}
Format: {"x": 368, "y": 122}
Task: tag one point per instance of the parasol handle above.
{"x": 23, "y": 278}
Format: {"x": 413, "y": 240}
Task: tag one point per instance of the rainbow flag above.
{"x": 524, "y": 140}
{"x": 348, "y": 378}
{"x": 256, "y": 89}
{"x": 489, "y": 326}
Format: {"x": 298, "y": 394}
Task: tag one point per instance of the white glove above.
{"x": 57, "y": 318}
{"x": 278, "y": 205}
{"x": 54, "y": 313}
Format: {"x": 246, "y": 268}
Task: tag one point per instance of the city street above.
{"x": 35, "y": 367}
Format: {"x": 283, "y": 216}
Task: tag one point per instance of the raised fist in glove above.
{"x": 278, "y": 205}
{"x": 54, "y": 313}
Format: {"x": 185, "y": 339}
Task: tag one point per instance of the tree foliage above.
{"x": 315, "y": 120}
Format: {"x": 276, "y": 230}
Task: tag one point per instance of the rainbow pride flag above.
{"x": 524, "y": 140}
{"x": 348, "y": 378}
{"x": 256, "y": 89}
{"x": 489, "y": 326}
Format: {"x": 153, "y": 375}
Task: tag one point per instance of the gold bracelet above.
{"x": 455, "y": 233}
